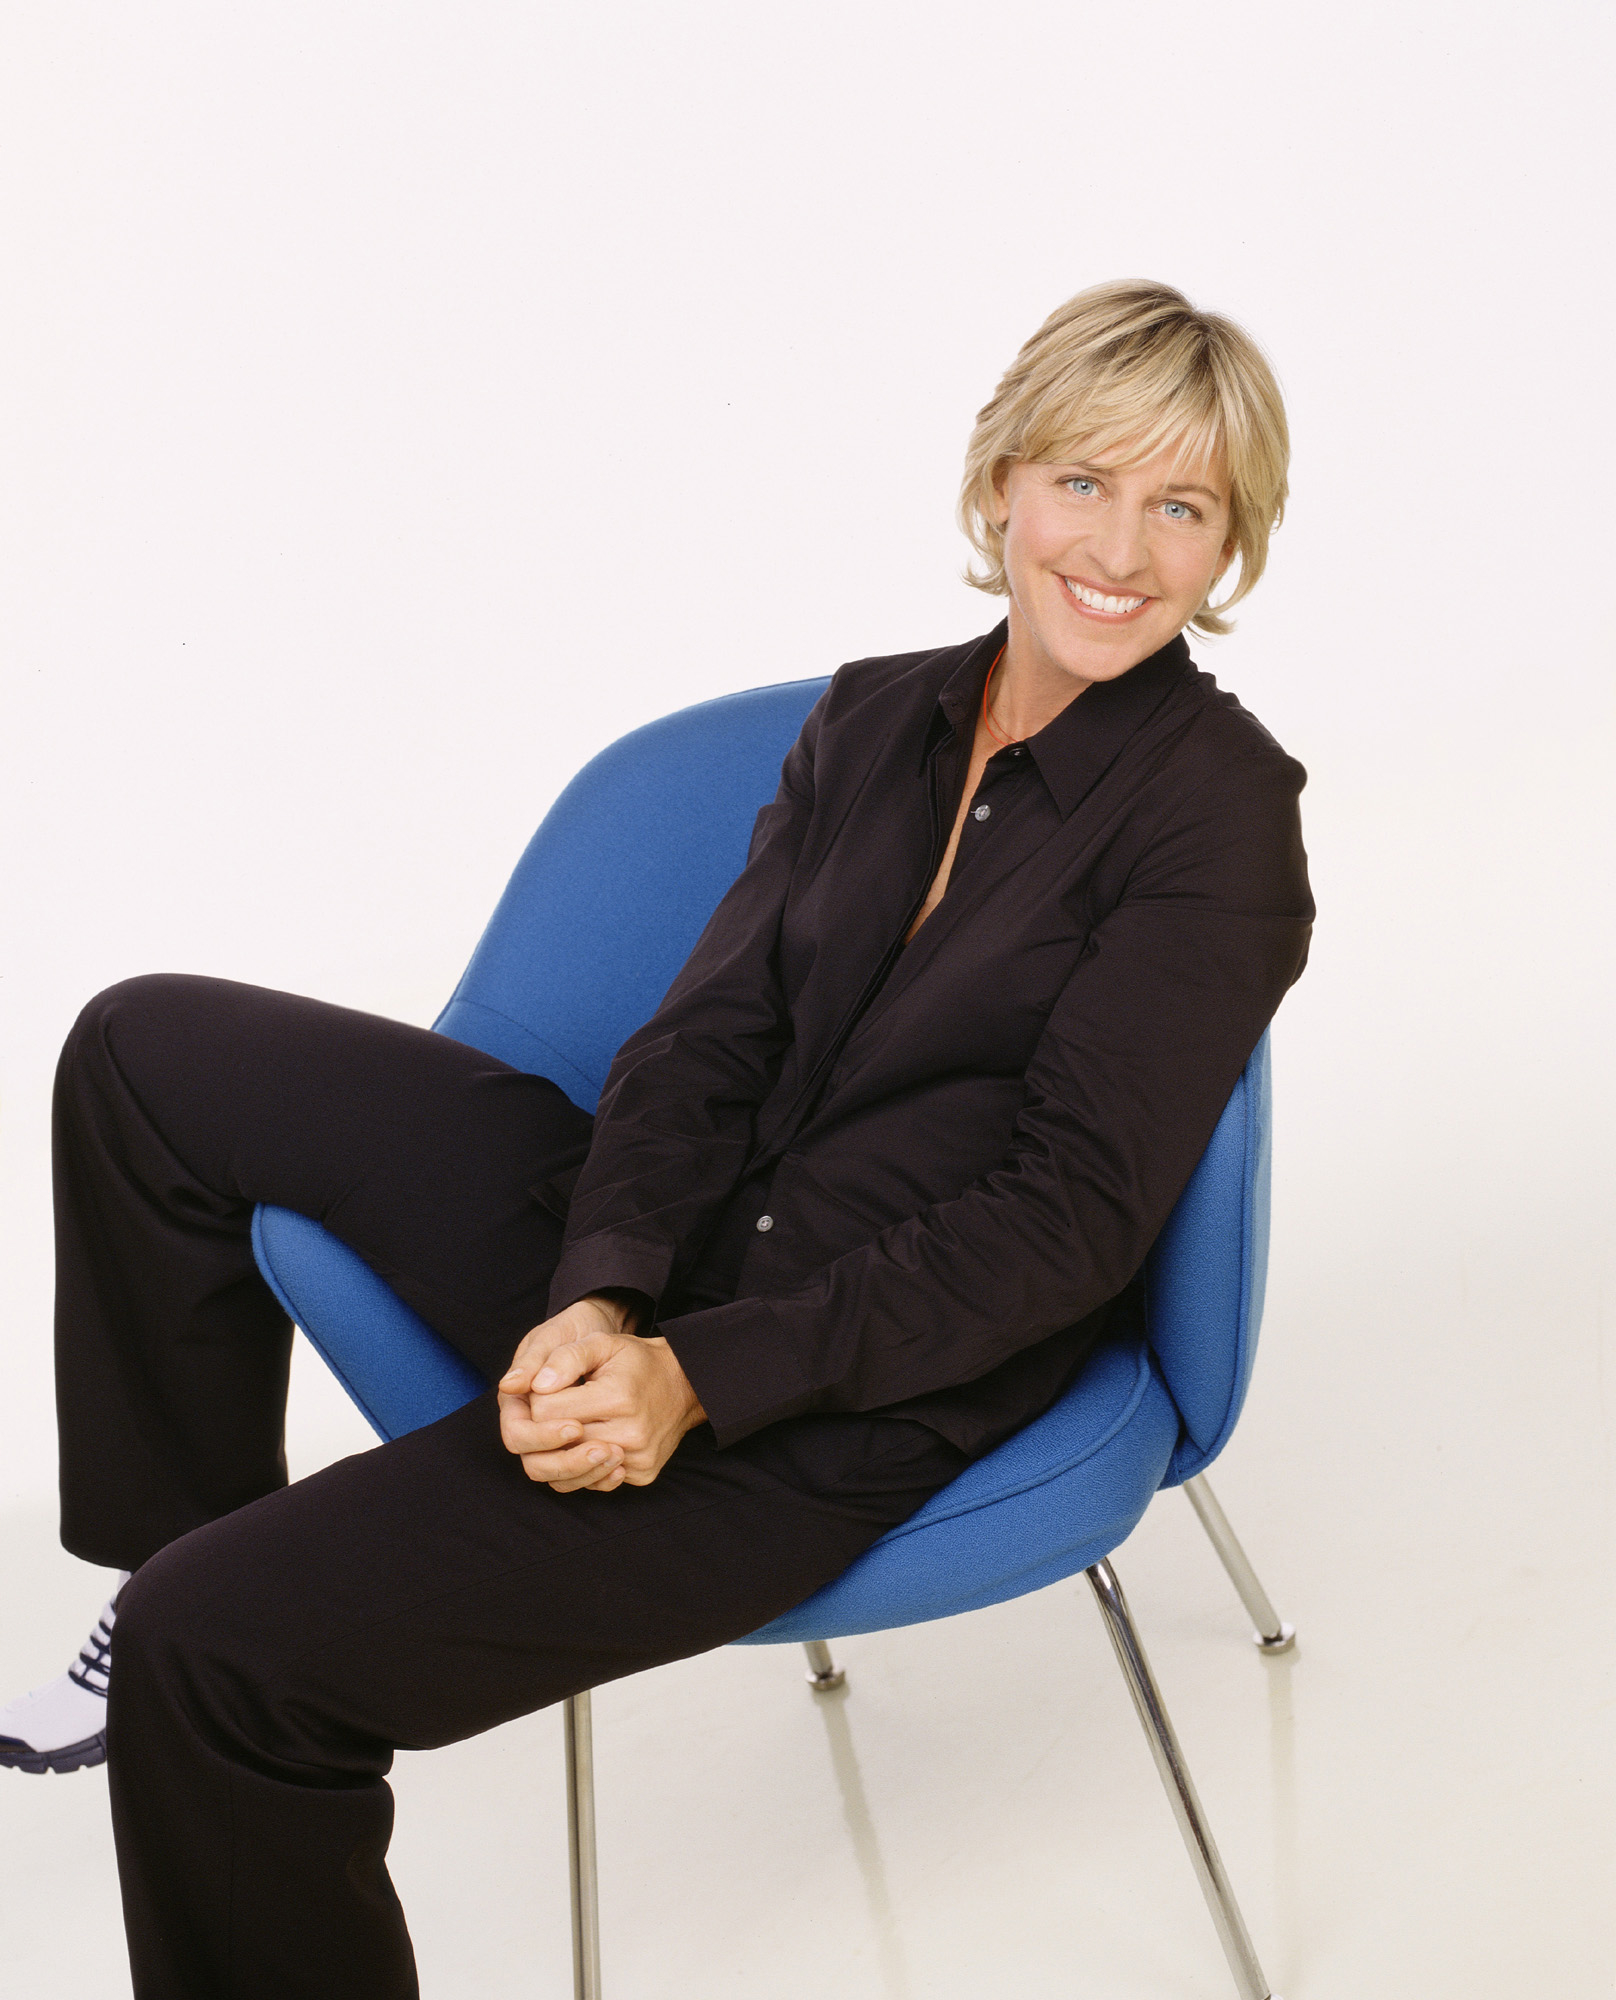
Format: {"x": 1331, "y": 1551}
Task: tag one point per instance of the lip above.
{"x": 1102, "y": 617}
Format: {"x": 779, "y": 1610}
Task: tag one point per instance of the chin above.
{"x": 1108, "y": 656}
{"x": 1095, "y": 649}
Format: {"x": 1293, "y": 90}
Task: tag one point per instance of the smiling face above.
{"x": 1106, "y": 561}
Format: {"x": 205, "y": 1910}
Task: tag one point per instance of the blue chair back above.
{"x": 1205, "y": 1274}
{"x": 615, "y": 887}
{"x": 612, "y": 893}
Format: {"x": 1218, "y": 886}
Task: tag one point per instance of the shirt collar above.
{"x": 1075, "y": 750}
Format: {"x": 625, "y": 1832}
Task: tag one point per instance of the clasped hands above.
{"x": 589, "y": 1405}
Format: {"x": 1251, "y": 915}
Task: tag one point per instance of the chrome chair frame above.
{"x": 1272, "y": 1635}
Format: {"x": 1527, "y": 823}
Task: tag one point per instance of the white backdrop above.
{"x": 401, "y": 401}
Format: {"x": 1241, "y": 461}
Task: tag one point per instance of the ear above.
{"x": 999, "y": 511}
{"x": 1231, "y": 549}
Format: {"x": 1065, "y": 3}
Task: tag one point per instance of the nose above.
{"x": 1116, "y": 546}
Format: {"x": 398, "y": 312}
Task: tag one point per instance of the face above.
{"x": 1108, "y": 562}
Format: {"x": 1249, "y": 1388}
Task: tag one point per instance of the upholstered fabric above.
{"x": 615, "y": 886}
{"x": 602, "y": 909}
{"x": 1205, "y": 1274}
{"x": 1058, "y": 1496}
{"x": 387, "y": 1358}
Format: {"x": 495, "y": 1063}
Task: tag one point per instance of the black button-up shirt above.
{"x": 860, "y": 1174}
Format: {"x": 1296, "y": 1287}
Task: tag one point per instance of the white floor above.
{"x": 1414, "y": 1805}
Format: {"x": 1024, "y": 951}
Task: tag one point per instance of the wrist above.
{"x": 625, "y": 1311}
{"x": 692, "y": 1413}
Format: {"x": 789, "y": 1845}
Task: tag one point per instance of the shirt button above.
{"x": 765, "y": 1223}
{"x": 983, "y": 812}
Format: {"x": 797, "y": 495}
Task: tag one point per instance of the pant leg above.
{"x": 181, "y": 1103}
{"x": 269, "y": 1665}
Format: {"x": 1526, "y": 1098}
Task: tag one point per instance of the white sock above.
{"x": 72, "y": 1708}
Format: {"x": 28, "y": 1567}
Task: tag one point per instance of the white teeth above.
{"x": 1096, "y": 602}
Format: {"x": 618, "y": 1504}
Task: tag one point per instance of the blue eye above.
{"x": 1082, "y": 487}
{"x": 1178, "y": 510}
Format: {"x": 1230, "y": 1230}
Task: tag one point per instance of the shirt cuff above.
{"x": 608, "y": 1263}
{"x": 736, "y": 1359}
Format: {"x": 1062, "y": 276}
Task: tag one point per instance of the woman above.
{"x": 857, "y": 1203}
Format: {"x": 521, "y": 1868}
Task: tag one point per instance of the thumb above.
{"x": 571, "y": 1362}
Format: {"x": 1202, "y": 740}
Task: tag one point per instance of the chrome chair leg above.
{"x": 823, "y": 1672}
{"x": 1272, "y": 1635}
{"x": 1248, "y": 1974}
{"x": 581, "y": 1847}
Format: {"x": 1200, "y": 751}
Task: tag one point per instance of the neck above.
{"x": 1029, "y": 690}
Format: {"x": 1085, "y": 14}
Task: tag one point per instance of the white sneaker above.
{"x": 62, "y": 1726}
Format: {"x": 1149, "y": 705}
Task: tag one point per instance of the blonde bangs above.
{"x": 1133, "y": 368}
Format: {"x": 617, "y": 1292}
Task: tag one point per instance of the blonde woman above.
{"x": 858, "y": 1201}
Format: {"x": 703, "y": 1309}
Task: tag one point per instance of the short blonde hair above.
{"x": 1133, "y": 365}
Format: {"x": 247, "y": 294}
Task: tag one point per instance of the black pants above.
{"x": 279, "y": 1643}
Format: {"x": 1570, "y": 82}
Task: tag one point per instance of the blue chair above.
{"x": 602, "y": 910}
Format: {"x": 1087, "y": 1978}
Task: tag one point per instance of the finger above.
{"x": 529, "y": 1358}
{"x": 533, "y": 1423}
{"x": 588, "y": 1402}
{"x": 551, "y": 1368}
{"x": 591, "y": 1482}
{"x": 539, "y": 1342}
{"x": 522, "y": 1432}
{"x": 515, "y": 1421}
{"x": 525, "y": 1433}
{"x": 606, "y": 1481}
{"x": 579, "y": 1462}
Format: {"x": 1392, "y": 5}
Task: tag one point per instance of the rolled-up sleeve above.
{"x": 1135, "y": 1063}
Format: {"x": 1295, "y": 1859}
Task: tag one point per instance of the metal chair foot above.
{"x": 1272, "y": 1635}
{"x": 580, "y": 1750}
{"x": 1147, "y": 1701}
{"x": 824, "y": 1676}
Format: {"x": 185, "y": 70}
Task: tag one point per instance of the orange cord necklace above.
{"x": 1004, "y": 742}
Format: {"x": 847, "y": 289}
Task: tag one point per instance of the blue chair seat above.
{"x": 1050, "y": 1501}
{"x": 1059, "y": 1495}
{"x": 400, "y": 1373}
